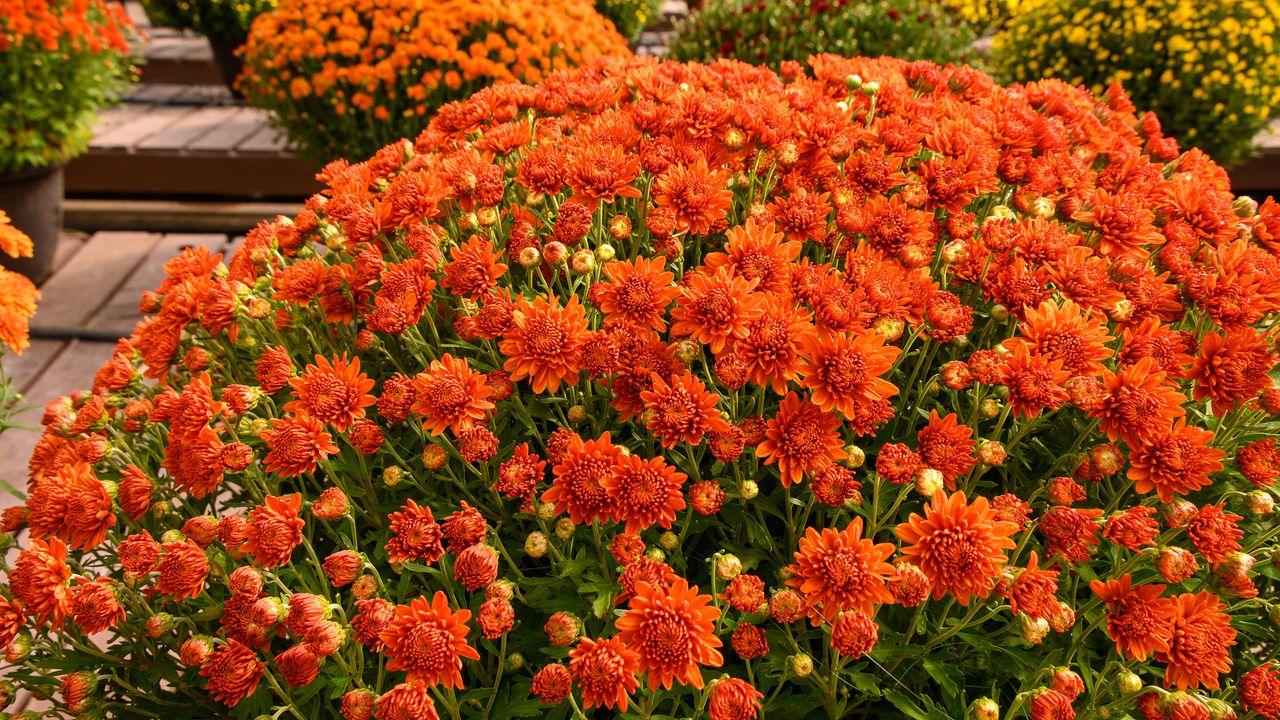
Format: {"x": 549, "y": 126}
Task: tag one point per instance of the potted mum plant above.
{"x": 60, "y": 62}
{"x": 225, "y": 23}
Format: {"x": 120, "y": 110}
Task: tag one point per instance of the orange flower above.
{"x": 637, "y": 294}
{"x": 182, "y": 567}
{"x": 947, "y": 446}
{"x": 449, "y": 394}
{"x": 771, "y": 348}
{"x": 474, "y": 268}
{"x": 274, "y": 530}
{"x": 1033, "y": 591}
{"x": 801, "y": 438}
{"x": 39, "y": 580}
{"x": 73, "y": 505}
{"x": 1034, "y": 381}
{"x": 428, "y": 640}
{"x": 1067, "y": 334}
{"x": 1231, "y": 369}
{"x": 580, "y": 483}
{"x": 1140, "y": 405}
{"x": 1178, "y": 461}
{"x": 601, "y": 173}
{"x": 673, "y": 630}
{"x": 605, "y": 670}
{"x": 14, "y": 242}
{"x": 546, "y": 343}
{"x": 683, "y": 411}
{"x": 415, "y": 535}
{"x": 1199, "y": 648}
{"x": 645, "y": 492}
{"x": 695, "y": 194}
{"x": 233, "y": 672}
{"x": 12, "y": 620}
{"x": 839, "y": 570}
{"x": 296, "y": 445}
{"x": 18, "y": 298}
{"x": 715, "y": 308}
{"x": 406, "y": 701}
{"x": 332, "y": 392}
{"x": 960, "y": 547}
{"x": 845, "y": 371}
{"x": 1139, "y": 621}
{"x": 757, "y": 252}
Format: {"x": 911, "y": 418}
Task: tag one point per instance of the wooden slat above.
{"x": 73, "y": 369}
{"x": 76, "y": 291}
{"x": 140, "y": 128}
{"x": 187, "y": 129}
{"x": 114, "y": 117}
{"x": 120, "y": 311}
{"x": 266, "y": 140}
{"x": 235, "y": 129}
{"x": 23, "y": 369}
{"x": 209, "y": 174}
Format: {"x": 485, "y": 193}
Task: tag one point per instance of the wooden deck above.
{"x": 93, "y": 292}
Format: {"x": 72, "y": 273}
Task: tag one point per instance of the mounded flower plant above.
{"x": 665, "y": 390}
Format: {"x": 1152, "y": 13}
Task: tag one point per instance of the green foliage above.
{"x": 1209, "y": 71}
{"x": 631, "y": 17}
{"x": 51, "y": 92}
{"x": 768, "y": 32}
{"x": 228, "y": 19}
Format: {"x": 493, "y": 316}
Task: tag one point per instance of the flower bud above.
{"x": 999, "y": 312}
{"x": 888, "y": 328}
{"x": 267, "y": 611}
{"x": 669, "y": 540}
{"x": 364, "y": 587}
{"x": 1260, "y": 502}
{"x": 656, "y": 554}
{"x": 991, "y": 452}
{"x": 984, "y": 709}
{"x": 515, "y": 661}
{"x": 1107, "y": 458}
{"x": 748, "y": 489}
{"x": 929, "y": 481}
{"x": 583, "y": 261}
{"x": 1062, "y": 620}
{"x": 1129, "y": 683}
{"x": 529, "y": 257}
{"x": 487, "y": 216}
{"x": 565, "y": 528}
{"x": 563, "y": 628}
{"x": 433, "y": 457}
{"x": 606, "y": 252}
{"x": 727, "y": 566}
{"x": 1176, "y": 564}
{"x": 18, "y": 649}
{"x": 159, "y": 624}
{"x": 620, "y": 227}
{"x": 1179, "y": 512}
{"x": 989, "y": 408}
{"x": 855, "y": 457}
{"x": 801, "y": 665}
{"x": 501, "y": 589}
{"x": 955, "y": 252}
{"x": 1033, "y": 630}
{"x": 956, "y": 376}
{"x": 358, "y": 704}
{"x": 545, "y": 511}
{"x": 871, "y": 88}
{"x": 687, "y": 351}
{"x": 196, "y": 650}
{"x": 554, "y": 252}
{"x": 536, "y": 545}
{"x": 853, "y": 82}
{"x": 577, "y": 413}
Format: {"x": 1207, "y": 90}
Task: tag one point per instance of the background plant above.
{"x": 344, "y": 80}
{"x": 61, "y": 61}
{"x": 227, "y": 19}
{"x": 665, "y": 390}
{"x": 630, "y": 17}
{"x": 768, "y": 33}
{"x": 18, "y": 298}
{"x": 1209, "y": 71}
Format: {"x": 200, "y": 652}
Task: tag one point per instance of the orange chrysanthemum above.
{"x": 1033, "y": 591}
{"x": 72, "y": 504}
{"x": 274, "y": 530}
{"x": 637, "y": 293}
{"x": 473, "y": 268}
{"x": 601, "y": 173}
{"x": 839, "y": 570}
{"x": 959, "y": 546}
{"x": 695, "y": 194}
{"x": 757, "y": 252}
{"x": 297, "y": 444}
{"x": 771, "y": 349}
{"x": 546, "y": 342}
{"x": 605, "y": 671}
{"x": 845, "y": 371}
{"x": 947, "y": 446}
{"x": 1139, "y": 621}
{"x": 18, "y": 297}
{"x": 40, "y": 581}
{"x": 801, "y": 438}
{"x": 449, "y": 394}
{"x": 14, "y": 242}
{"x": 1067, "y": 334}
{"x": 1231, "y": 369}
{"x": 682, "y": 411}
{"x": 580, "y": 483}
{"x": 1200, "y": 645}
{"x": 333, "y": 392}
{"x": 1140, "y": 405}
{"x": 715, "y": 308}
{"x": 1178, "y": 461}
{"x": 1034, "y": 381}
{"x": 428, "y": 640}
{"x": 673, "y": 630}
{"x": 645, "y": 492}
{"x": 233, "y": 672}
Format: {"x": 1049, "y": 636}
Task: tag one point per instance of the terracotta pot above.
{"x": 228, "y": 62}
{"x": 33, "y": 201}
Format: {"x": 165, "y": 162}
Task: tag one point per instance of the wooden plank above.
{"x": 73, "y": 370}
{"x": 140, "y": 128}
{"x": 69, "y": 244}
{"x": 114, "y": 117}
{"x": 235, "y": 129}
{"x": 75, "y": 292}
{"x": 120, "y": 312}
{"x": 208, "y": 174}
{"x": 187, "y": 129}
{"x": 166, "y": 47}
{"x": 266, "y": 140}
{"x": 23, "y": 369}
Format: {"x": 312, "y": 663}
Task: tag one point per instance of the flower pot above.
{"x": 228, "y": 62}
{"x": 33, "y": 201}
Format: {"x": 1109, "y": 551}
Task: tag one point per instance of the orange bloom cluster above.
{"x": 875, "y": 389}
{"x": 75, "y": 26}
{"x": 18, "y": 295}
{"x": 343, "y": 79}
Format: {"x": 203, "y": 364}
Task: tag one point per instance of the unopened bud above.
{"x": 535, "y": 546}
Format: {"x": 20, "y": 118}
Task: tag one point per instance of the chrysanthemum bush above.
{"x": 18, "y": 298}
{"x": 344, "y": 79}
{"x": 662, "y": 390}
{"x": 771, "y": 32}
{"x": 1209, "y": 70}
